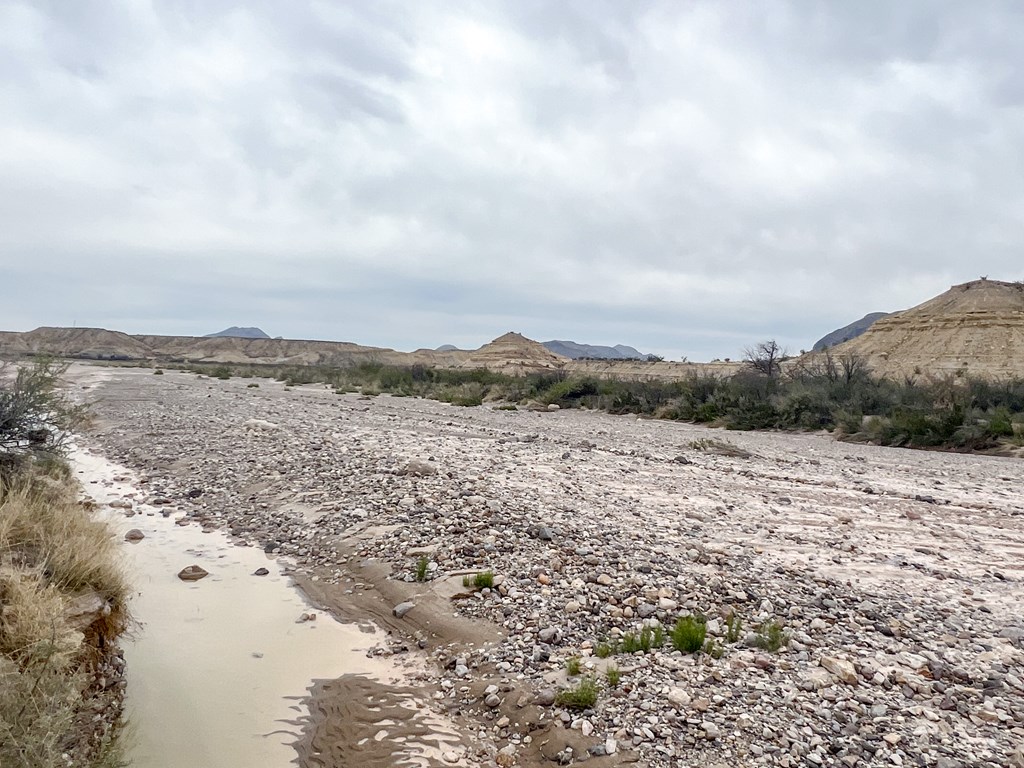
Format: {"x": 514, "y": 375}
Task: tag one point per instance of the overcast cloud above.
{"x": 685, "y": 177}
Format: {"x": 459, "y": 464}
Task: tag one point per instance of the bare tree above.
{"x": 854, "y": 366}
{"x": 765, "y": 357}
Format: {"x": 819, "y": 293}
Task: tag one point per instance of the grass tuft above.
{"x": 421, "y": 569}
{"x": 613, "y": 676}
{"x": 770, "y": 637}
{"x": 51, "y": 553}
{"x": 483, "y": 580}
{"x": 733, "y": 627}
{"x": 582, "y": 696}
{"x": 688, "y": 634}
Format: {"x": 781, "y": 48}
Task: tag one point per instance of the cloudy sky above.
{"x": 685, "y": 177}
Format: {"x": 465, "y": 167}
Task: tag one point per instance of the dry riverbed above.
{"x": 896, "y": 575}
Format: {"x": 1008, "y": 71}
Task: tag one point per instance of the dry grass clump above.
{"x": 53, "y": 557}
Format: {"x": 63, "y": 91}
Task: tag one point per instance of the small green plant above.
{"x": 483, "y": 580}
{"x": 582, "y": 696}
{"x": 572, "y": 666}
{"x": 421, "y": 569}
{"x": 613, "y": 676}
{"x": 733, "y": 627}
{"x": 604, "y": 649}
{"x": 770, "y": 637}
{"x": 713, "y": 649}
{"x": 221, "y": 372}
{"x": 647, "y": 639}
{"x": 688, "y": 634}
{"x": 658, "y": 637}
{"x": 254, "y": 385}
{"x": 158, "y": 372}
{"x": 508, "y": 407}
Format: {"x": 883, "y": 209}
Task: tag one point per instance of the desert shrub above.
{"x": 570, "y": 390}
{"x": 36, "y": 415}
{"x": 572, "y": 666}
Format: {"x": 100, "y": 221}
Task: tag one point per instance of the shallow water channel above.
{"x": 217, "y": 668}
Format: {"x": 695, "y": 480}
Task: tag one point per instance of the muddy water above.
{"x": 217, "y": 668}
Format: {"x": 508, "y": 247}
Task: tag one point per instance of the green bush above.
{"x": 688, "y": 634}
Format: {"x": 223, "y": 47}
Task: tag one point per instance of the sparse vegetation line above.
{"x": 832, "y": 393}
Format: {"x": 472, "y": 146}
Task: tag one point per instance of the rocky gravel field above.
{"x": 862, "y": 606}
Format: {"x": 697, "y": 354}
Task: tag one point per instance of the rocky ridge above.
{"x": 895, "y": 575}
{"x": 847, "y": 332}
{"x": 973, "y": 329}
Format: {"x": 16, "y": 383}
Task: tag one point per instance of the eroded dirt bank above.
{"x": 896, "y": 574}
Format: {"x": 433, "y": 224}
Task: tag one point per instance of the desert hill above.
{"x": 514, "y": 353}
{"x": 976, "y": 328}
{"x": 847, "y": 332}
{"x": 102, "y": 344}
{"x": 511, "y": 353}
{"x": 238, "y": 332}
{"x": 575, "y": 351}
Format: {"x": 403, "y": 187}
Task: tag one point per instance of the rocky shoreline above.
{"x": 895, "y": 576}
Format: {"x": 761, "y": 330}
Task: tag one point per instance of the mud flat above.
{"x": 895, "y": 576}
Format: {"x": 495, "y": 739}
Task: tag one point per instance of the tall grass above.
{"x": 51, "y": 551}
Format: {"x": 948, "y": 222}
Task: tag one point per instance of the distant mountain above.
{"x": 847, "y": 332}
{"x": 235, "y": 332}
{"x": 576, "y": 351}
{"x": 447, "y": 348}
